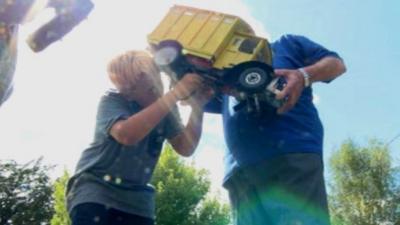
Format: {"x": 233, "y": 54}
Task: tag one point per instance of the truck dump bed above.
{"x": 201, "y": 32}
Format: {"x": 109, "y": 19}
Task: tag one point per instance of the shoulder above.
{"x": 113, "y": 94}
{"x": 112, "y": 98}
{"x": 291, "y": 39}
{"x": 298, "y": 43}
{"x": 289, "y": 44}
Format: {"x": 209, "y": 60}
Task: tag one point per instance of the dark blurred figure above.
{"x": 13, "y": 13}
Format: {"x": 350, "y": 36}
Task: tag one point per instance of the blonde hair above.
{"x": 126, "y": 69}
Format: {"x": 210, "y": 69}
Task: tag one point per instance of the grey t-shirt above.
{"x": 8, "y": 59}
{"x": 117, "y": 175}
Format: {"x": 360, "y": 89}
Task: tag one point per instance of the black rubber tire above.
{"x": 168, "y": 53}
{"x": 253, "y": 79}
{"x": 166, "y": 56}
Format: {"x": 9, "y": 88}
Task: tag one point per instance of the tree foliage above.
{"x": 365, "y": 190}
{"x": 60, "y": 216}
{"x": 181, "y": 194}
{"x": 25, "y": 193}
{"x": 212, "y": 212}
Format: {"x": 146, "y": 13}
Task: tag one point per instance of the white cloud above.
{"x": 52, "y": 110}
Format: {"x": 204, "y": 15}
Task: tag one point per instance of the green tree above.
{"x": 181, "y": 194}
{"x": 60, "y": 216}
{"x": 23, "y": 190}
{"x": 364, "y": 186}
{"x": 213, "y": 212}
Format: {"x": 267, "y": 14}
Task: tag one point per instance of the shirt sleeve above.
{"x": 110, "y": 110}
{"x": 310, "y": 51}
{"x": 173, "y": 124}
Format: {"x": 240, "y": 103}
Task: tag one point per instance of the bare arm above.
{"x": 139, "y": 125}
{"x": 186, "y": 142}
{"x": 326, "y": 69}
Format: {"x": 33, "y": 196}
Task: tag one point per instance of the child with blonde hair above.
{"x": 111, "y": 183}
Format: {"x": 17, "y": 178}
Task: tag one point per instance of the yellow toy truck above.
{"x": 223, "y": 48}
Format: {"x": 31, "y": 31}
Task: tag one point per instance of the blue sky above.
{"x": 364, "y": 102}
{"x": 51, "y": 112}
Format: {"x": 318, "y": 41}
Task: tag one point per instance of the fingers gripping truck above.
{"x": 223, "y": 49}
{"x": 69, "y": 13}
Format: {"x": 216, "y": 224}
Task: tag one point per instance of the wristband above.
{"x": 306, "y": 77}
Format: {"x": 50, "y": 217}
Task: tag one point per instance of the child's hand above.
{"x": 187, "y": 86}
{"x": 201, "y": 97}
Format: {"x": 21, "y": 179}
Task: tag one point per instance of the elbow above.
{"x": 341, "y": 67}
{"x": 122, "y": 137}
{"x": 184, "y": 143}
{"x": 185, "y": 150}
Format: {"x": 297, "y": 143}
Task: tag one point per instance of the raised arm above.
{"x": 186, "y": 142}
{"x": 326, "y": 69}
{"x": 133, "y": 129}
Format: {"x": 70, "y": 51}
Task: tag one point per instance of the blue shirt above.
{"x": 251, "y": 139}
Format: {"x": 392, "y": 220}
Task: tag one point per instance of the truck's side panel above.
{"x": 213, "y": 36}
{"x": 162, "y": 29}
{"x": 194, "y": 28}
{"x": 219, "y": 39}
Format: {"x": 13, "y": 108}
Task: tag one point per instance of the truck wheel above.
{"x": 253, "y": 79}
{"x": 167, "y": 53}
